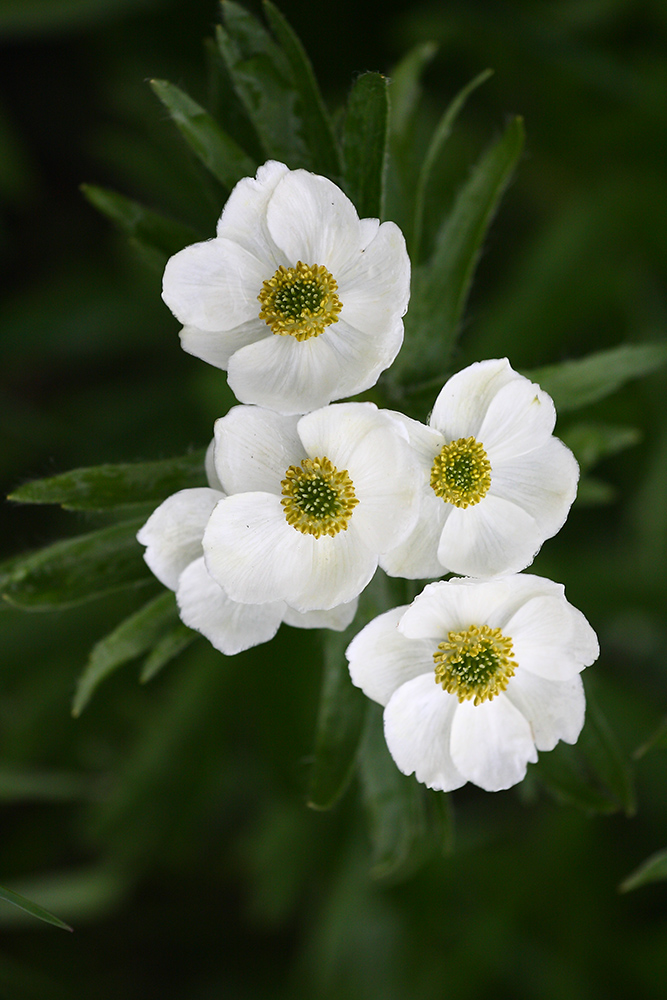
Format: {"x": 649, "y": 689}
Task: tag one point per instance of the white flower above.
{"x": 311, "y": 503}
{"x": 495, "y": 482}
{"x": 299, "y": 299}
{"x": 475, "y": 677}
{"x": 173, "y": 539}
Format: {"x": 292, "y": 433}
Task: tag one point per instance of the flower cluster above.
{"x": 302, "y": 303}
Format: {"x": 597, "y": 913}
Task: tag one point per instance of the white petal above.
{"x": 256, "y": 556}
{"x": 544, "y": 633}
{"x": 360, "y": 355}
{"x": 254, "y": 447}
{"x": 417, "y": 557}
{"x": 491, "y": 743}
{"x": 417, "y": 725}
{"x": 519, "y": 418}
{"x": 374, "y": 285}
{"x": 214, "y": 285}
{"x": 312, "y": 220}
{"x": 211, "y": 474}
{"x": 173, "y": 533}
{"x": 337, "y": 618}
{"x": 381, "y": 658}
{"x": 463, "y": 401}
{"x": 337, "y": 431}
{"x": 287, "y": 375}
{"x": 228, "y": 626}
{"x": 554, "y": 709}
{"x": 454, "y": 605}
{"x": 244, "y": 217}
{"x": 493, "y": 537}
{"x": 216, "y": 347}
{"x": 543, "y": 483}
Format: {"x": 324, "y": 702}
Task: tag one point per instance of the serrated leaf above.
{"x": 317, "y": 129}
{"x": 339, "y": 724}
{"x": 572, "y": 384}
{"x": 32, "y": 908}
{"x": 591, "y": 442}
{"x": 262, "y": 78}
{"x": 365, "y": 143}
{"x": 165, "y": 650}
{"x": 438, "y": 140}
{"x": 219, "y": 153}
{"x": 153, "y": 233}
{"x": 607, "y": 760}
{"x": 138, "y": 633}
{"x": 106, "y": 487}
{"x": 394, "y": 805}
{"x": 654, "y": 869}
{"x": 441, "y": 286}
{"x": 78, "y": 569}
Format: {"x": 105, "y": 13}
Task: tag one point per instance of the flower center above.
{"x": 461, "y": 472}
{"x": 300, "y": 301}
{"x": 475, "y": 663}
{"x": 318, "y": 499}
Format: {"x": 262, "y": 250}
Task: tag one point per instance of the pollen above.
{"x": 475, "y": 664}
{"x": 300, "y": 301}
{"x": 318, "y": 498}
{"x": 461, "y": 472}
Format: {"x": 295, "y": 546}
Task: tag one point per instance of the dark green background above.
{"x": 167, "y": 823}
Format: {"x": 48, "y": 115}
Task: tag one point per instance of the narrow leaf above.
{"x": 572, "y": 384}
{"x": 219, "y": 153}
{"x": 166, "y": 649}
{"x": 404, "y": 88}
{"x": 151, "y": 231}
{"x": 339, "y": 724}
{"x": 441, "y": 287}
{"x": 365, "y": 143}
{"x": 591, "y": 442}
{"x": 317, "y": 129}
{"x": 608, "y": 762}
{"x": 105, "y": 487}
{"x": 394, "y": 805}
{"x": 263, "y": 80}
{"x": 32, "y": 908}
{"x": 78, "y": 569}
{"x": 440, "y": 136}
{"x": 130, "y": 639}
{"x": 654, "y": 869}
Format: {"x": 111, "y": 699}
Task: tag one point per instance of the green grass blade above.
{"x": 32, "y": 908}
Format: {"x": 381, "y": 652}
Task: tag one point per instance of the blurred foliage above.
{"x": 168, "y": 823}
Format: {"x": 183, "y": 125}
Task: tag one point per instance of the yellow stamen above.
{"x": 317, "y": 497}
{"x": 300, "y": 301}
{"x": 475, "y": 663}
{"x": 461, "y": 472}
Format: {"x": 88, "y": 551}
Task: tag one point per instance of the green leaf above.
{"x": 394, "y": 804}
{"x": 18, "y": 784}
{"x": 572, "y": 384}
{"x": 654, "y": 869}
{"x": 154, "y": 234}
{"x": 591, "y": 442}
{"x": 317, "y": 129}
{"x": 219, "y": 153}
{"x": 562, "y": 773}
{"x": 106, "y": 487}
{"x": 262, "y": 78}
{"x": 440, "y": 136}
{"x": 441, "y": 287}
{"x": 166, "y": 649}
{"x": 365, "y": 143}
{"x": 607, "y": 760}
{"x": 339, "y": 724}
{"x": 78, "y": 569}
{"x": 32, "y": 908}
{"x": 404, "y": 89}
{"x": 130, "y": 639}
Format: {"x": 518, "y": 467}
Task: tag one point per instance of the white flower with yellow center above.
{"x": 495, "y": 481}
{"x": 312, "y": 502}
{"x": 476, "y": 676}
{"x": 173, "y": 538}
{"x": 296, "y": 297}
